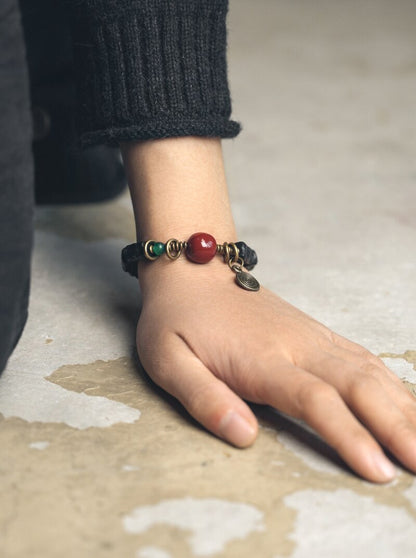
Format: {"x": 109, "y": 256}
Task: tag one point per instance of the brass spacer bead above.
{"x": 147, "y": 250}
{"x": 173, "y": 248}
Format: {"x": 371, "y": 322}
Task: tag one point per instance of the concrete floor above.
{"x": 96, "y": 462}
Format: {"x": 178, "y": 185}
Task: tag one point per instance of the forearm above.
{"x": 178, "y": 187}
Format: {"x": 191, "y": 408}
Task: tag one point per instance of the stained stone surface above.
{"x": 97, "y": 461}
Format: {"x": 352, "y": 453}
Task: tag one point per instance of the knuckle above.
{"x": 401, "y": 430}
{"x": 369, "y": 368}
{"x": 373, "y": 366}
{"x": 372, "y": 360}
{"x": 335, "y": 340}
{"x": 333, "y": 337}
{"x": 313, "y": 395}
{"x": 369, "y": 359}
{"x": 326, "y": 340}
{"x": 362, "y": 385}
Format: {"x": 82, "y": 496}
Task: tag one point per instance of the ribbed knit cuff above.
{"x": 151, "y": 69}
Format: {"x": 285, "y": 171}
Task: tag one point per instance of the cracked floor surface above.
{"x": 99, "y": 462}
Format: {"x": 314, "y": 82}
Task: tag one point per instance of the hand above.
{"x": 211, "y": 344}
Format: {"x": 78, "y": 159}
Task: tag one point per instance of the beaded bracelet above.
{"x": 199, "y": 248}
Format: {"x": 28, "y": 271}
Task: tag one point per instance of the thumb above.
{"x": 209, "y": 400}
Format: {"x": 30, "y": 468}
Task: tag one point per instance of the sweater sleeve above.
{"x": 149, "y": 69}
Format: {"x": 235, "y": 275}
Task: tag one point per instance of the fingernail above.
{"x": 235, "y": 429}
{"x": 384, "y": 466}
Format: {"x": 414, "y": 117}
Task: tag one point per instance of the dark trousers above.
{"x": 16, "y": 180}
{"x": 38, "y": 102}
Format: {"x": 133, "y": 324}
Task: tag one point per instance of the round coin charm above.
{"x": 247, "y": 281}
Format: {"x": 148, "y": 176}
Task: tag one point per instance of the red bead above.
{"x": 201, "y": 248}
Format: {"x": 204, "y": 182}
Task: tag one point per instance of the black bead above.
{"x": 248, "y": 254}
{"x": 130, "y": 256}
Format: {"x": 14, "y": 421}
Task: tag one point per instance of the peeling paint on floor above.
{"x": 212, "y": 522}
{"x": 110, "y": 472}
{"x": 152, "y": 552}
{"x": 370, "y": 524}
{"x": 404, "y": 365}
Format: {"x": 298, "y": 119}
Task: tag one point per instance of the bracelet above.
{"x": 199, "y": 248}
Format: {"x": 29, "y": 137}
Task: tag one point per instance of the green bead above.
{"x": 158, "y": 248}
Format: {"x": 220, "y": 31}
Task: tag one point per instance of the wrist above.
{"x": 161, "y": 276}
{"x": 178, "y": 187}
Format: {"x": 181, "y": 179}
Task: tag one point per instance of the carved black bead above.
{"x": 130, "y": 255}
{"x": 248, "y": 254}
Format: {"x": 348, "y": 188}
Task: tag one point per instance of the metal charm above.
{"x": 245, "y": 280}
{"x": 147, "y": 250}
{"x": 174, "y": 248}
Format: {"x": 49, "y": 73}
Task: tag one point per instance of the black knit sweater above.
{"x": 151, "y": 69}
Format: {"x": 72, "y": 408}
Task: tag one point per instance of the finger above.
{"x": 203, "y": 395}
{"x": 355, "y": 351}
{"x": 388, "y": 412}
{"x": 301, "y": 395}
{"x": 365, "y": 362}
